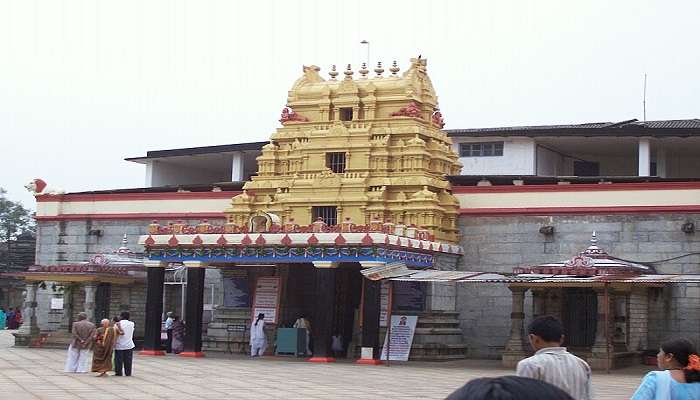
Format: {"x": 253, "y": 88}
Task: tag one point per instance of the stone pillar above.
{"x": 125, "y": 297}
{"x": 661, "y": 162}
{"x": 29, "y": 325}
{"x": 602, "y": 350}
{"x": 194, "y": 308}
{"x": 371, "y": 304}
{"x": 322, "y": 322}
{"x": 90, "y": 289}
{"x": 618, "y": 330}
{"x": 515, "y": 348}
{"x": 644, "y": 157}
{"x": 155, "y": 276}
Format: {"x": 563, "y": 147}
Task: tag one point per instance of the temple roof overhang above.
{"x": 265, "y": 248}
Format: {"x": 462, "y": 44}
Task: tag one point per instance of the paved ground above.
{"x": 37, "y": 374}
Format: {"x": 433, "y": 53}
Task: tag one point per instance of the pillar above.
{"x": 644, "y": 157}
{"x": 602, "y": 350}
{"x": 322, "y": 322}
{"x": 90, "y": 289}
{"x": 661, "y": 162}
{"x": 238, "y": 167}
{"x": 155, "y": 276}
{"x": 371, "y": 310}
{"x": 29, "y": 326}
{"x": 125, "y": 296}
{"x": 515, "y": 348}
{"x": 194, "y": 308}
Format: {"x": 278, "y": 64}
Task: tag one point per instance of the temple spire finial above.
{"x": 594, "y": 239}
{"x": 348, "y": 72}
{"x": 394, "y": 69}
{"x": 333, "y": 72}
{"x": 379, "y": 70}
{"x": 363, "y": 71}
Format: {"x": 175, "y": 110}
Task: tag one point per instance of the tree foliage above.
{"x": 14, "y": 218}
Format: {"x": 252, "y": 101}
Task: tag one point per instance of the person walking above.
{"x": 18, "y": 318}
{"x": 552, "y": 363}
{"x": 82, "y": 332}
{"x": 124, "y": 347}
{"x": 3, "y": 318}
{"x": 104, "y": 346}
{"x": 178, "y": 335}
{"x": 679, "y": 378}
{"x": 169, "y": 332}
{"x": 258, "y": 341}
{"x": 10, "y": 318}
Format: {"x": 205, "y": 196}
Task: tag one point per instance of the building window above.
{"x": 586, "y": 168}
{"x": 336, "y": 162}
{"x": 329, "y": 214}
{"x": 346, "y": 114}
{"x": 484, "y": 149}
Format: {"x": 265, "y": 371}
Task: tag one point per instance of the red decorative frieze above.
{"x": 412, "y": 110}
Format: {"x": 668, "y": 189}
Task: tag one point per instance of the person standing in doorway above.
{"x": 18, "y": 318}
{"x": 303, "y": 323}
{"x": 178, "y": 335}
{"x": 3, "y": 318}
{"x": 124, "y": 348}
{"x": 169, "y": 332}
{"x": 258, "y": 341}
{"x": 10, "y": 317}
{"x": 552, "y": 363}
{"x": 83, "y": 332}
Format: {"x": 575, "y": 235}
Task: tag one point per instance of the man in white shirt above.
{"x": 552, "y": 363}
{"x": 124, "y": 347}
{"x": 303, "y": 323}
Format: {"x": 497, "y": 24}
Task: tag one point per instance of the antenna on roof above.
{"x": 644, "y": 99}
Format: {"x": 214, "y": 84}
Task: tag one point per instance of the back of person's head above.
{"x": 82, "y": 316}
{"x": 508, "y": 388}
{"x": 124, "y": 315}
{"x": 685, "y": 353}
{"x": 548, "y": 328}
{"x": 115, "y": 319}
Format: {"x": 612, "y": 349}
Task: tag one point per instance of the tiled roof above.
{"x": 633, "y": 127}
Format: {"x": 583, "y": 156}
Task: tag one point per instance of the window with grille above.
{"x": 336, "y": 162}
{"x": 329, "y": 214}
{"x": 346, "y": 114}
{"x": 484, "y": 149}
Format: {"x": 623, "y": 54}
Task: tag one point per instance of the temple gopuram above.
{"x": 354, "y": 178}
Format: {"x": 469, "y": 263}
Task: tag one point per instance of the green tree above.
{"x": 14, "y": 218}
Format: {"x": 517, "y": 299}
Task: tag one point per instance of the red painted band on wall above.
{"x": 131, "y": 216}
{"x": 578, "y": 187}
{"x": 579, "y": 210}
{"x": 137, "y": 196}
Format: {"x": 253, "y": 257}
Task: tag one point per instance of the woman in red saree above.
{"x": 104, "y": 345}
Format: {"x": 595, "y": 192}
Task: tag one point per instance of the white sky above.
{"x": 85, "y": 83}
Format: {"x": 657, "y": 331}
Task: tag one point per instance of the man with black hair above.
{"x": 552, "y": 363}
{"x": 124, "y": 347}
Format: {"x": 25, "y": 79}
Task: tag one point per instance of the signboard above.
{"x": 409, "y": 296}
{"x": 383, "y": 302}
{"x": 236, "y": 292}
{"x": 403, "y": 327}
{"x": 57, "y": 303}
{"x": 266, "y": 299}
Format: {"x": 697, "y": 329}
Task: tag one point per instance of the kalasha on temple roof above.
{"x": 120, "y": 266}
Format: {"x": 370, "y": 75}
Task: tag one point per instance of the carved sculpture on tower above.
{"x": 365, "y": 149}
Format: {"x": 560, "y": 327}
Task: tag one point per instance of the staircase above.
{"x": 219, "y": 339}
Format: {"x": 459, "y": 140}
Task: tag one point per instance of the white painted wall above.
{"x": 548, "y": 162}
{"x": 518, "y": 157}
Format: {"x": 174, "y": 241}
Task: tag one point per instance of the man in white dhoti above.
{"x": 80, "y": 349}
{"x": 258, "y": 341}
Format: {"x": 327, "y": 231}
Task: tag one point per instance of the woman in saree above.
{"x": 178, "y": 327}
{"x": 104, "y": 345}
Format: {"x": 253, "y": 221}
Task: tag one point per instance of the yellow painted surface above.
{"x": 395, "y": 165}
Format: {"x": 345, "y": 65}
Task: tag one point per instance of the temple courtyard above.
{"x": 38, "y": 374}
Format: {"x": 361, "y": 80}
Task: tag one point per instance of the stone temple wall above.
{"x": 500, "y": 243}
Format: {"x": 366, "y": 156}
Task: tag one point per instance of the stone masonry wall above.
{"x": 500, "y": 243}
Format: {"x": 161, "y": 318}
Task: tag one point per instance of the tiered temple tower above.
{"x": 357, "y": 150}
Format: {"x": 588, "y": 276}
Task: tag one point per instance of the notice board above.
{"x": 266, "y": 298}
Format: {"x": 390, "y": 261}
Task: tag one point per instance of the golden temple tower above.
{"x": 357, "y": 150}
